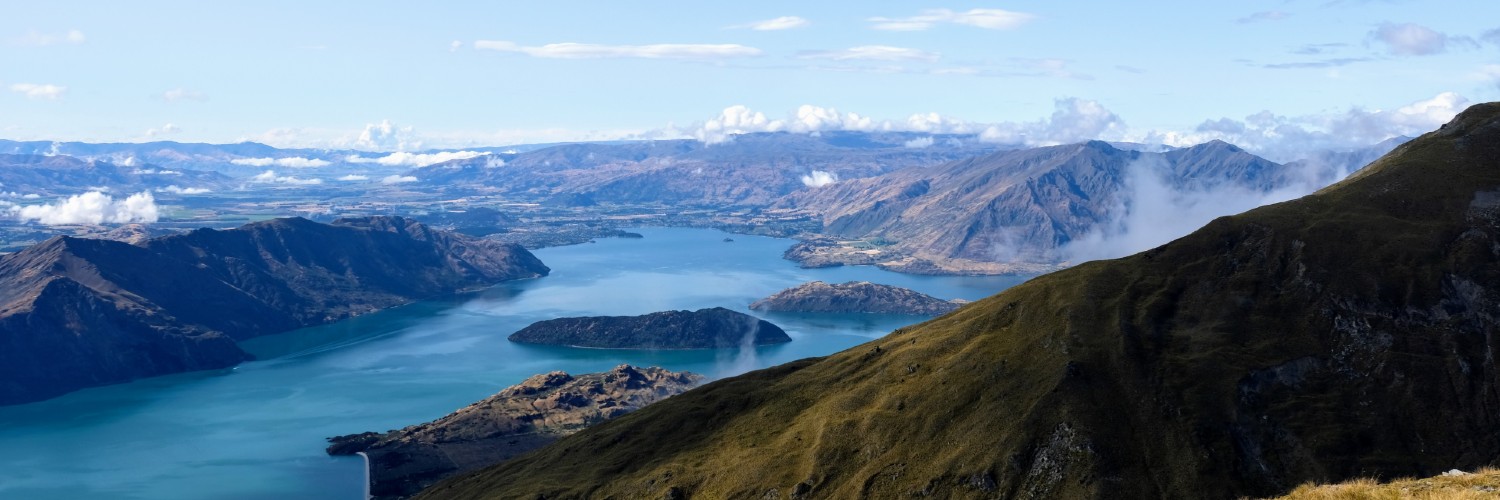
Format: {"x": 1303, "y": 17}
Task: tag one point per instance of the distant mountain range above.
{"x": 1028, "y": 206}
{"x": 51, "y": 175}
{"x": 1349, "y": 333}
{"x": 76, "y": 313}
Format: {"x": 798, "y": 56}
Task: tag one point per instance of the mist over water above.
{"x": 257, "y": 431}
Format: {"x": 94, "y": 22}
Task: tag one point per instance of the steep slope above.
{"x": 77, "y": 312}
{"x": 1017, "y": 206}
{"x": 518, "y": 419}
{"x": 1348, "y": 333}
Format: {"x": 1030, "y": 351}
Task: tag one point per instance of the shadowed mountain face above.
{"x": 1019, "y": 206}
{"x": 854, "y": 297}
{"x": 750, "y": 170}
{"x": 1348, "y": 333}
{"x": 78, "y": 312}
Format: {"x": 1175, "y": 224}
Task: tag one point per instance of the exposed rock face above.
{"x": 1349, "y": 333}
{"x": 702, "y": 329}
{"x": 518, "y": 419}
{"x": 77, "y": 312}
{"x": 854, "y": 297}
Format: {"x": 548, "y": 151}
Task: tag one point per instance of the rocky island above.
{"x": 77, "y": 312}
{"x": 518, "y": 419}
{"x": 702, "y": 329}
{"x": 855, "y": 297}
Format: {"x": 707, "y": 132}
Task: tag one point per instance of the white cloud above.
{"x": 598, "y": 51}
{"x": 918, "y": 143}
{"x": 397, "y": 179}
{"x": 1285, "y": 138}
{"x": 453, "y": 46}
{"x": 291, "y": 162}
{"x": 354, "y": 177}
{"x": 39, "y": 39}
{"x": 167, "y": 129}
{"x": 39, "y": 90}
{"x": 995, "y": 19}
{"x": 777, "y": 24}
{"x": 819, "y": 178}
{"x": 270, "y": 177}
{"x": 182, "y": 94}
{"x": 31, "y": 196}
{"x": 1072, "y": 120}
{"x": 872, "y": 53}
{"x": 150, "y": 171}
{"x": 175, "y": 189}
{"x": 416, "y": 159}
{"x": 1408, "y": 39}
{"x": 385, "y": 136}
{"x": 92, "y": 207}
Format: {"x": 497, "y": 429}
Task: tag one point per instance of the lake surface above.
{"x": 257, "y": 431}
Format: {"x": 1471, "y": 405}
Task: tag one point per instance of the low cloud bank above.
{"x": 93, "y": 207}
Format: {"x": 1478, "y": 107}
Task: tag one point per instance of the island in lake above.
{"x": 710, "y": 328}
{"x": 855, "y": 297}
{"x": 518, "y": 419}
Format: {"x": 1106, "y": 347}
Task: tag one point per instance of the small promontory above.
{"x": 710, "y": 328}
{"x": 854, "y": 297}
{"x": 516, "y": 420}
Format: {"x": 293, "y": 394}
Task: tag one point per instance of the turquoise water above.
{"x": 257, "y": 431}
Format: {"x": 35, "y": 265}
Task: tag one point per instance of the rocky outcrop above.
{"x": 702, "y": 329}
{"x": 1349, "y": 333}
{"x": 518, "y": 419}
{"x": 79, "y": 312}
{"x": 854, "y": 297}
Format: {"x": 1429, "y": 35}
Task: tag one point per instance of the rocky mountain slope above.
{"x": 518, "y": 419}
{"x": 77, "y": 312}
{"x": 1347, "y": 333}
{"x": 1022, "y": 206}
{"x": 710, "y": 328}
{"x": 854, "y": 297}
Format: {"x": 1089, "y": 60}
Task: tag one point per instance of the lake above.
{"x": 257, "y": 430}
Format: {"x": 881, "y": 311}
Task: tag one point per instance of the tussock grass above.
{"x": 1482, "y": 484}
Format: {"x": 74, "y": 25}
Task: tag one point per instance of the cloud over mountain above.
{"x": 93, "y": 207}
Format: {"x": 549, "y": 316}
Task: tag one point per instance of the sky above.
{"x": 1274, "y": 76}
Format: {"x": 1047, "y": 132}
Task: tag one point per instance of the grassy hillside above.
{"x": 1347, "y": 334}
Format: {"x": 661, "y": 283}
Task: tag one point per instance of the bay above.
{"x": 257, "y": 430}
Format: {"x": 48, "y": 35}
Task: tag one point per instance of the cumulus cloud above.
{"x": 819, "y": 178}
{"x": 871, "y": 53}
{"x": 93, "y": 207}
{"x": 354, "y": 177}
{"x": 291, "y": 162}
{"x": 39, "y": 39}
{"x": 1409, "y": 39}
{"x": 685, "y": 51}
{"x": 270, "y": 177}
{"x": 416, "y": 159}
{"x": 777, "y": 24}
{"x": 1285, "y": 138}
{"x": 995, "y": 19}
{"x": 397, "y": 179}
{"x": 175, "y": 189}
{"x": 1072, "y": 120}
{"x": 167, "y": 129}
{"x": 918, "y": 143}
{"x": 385, "y": 136}
{"x": 181, "y": 94}
{"x": 1262, "y": 16}
{"x": 39, "y": 90}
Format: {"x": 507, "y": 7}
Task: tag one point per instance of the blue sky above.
{"x": 452, "y": 74}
